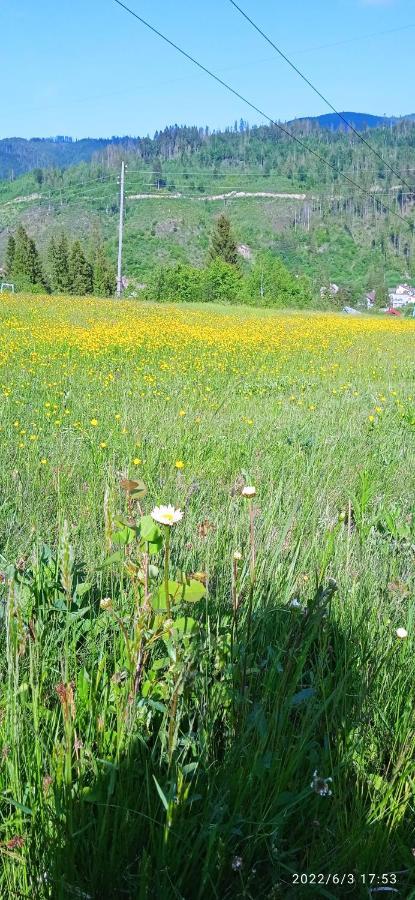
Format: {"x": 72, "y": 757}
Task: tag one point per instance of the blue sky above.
{"x": 86, "y": 68}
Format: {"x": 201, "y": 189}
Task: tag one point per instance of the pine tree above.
{"x": 223, "y": 243}
{"x": 104, "y": 280}
{"x": 21, "y": 253}
{"x": 59, "y": 264}
{"x": 34, "y": 267}
{"x": 80, "y": 271}
{"x": 26, "y": 260}
{"x": 10, "y": 251}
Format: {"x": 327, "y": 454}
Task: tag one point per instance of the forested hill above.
{"x": 361, "y": 121}
{"x": 18, "y": 155}
{"x": 279, "y": 196}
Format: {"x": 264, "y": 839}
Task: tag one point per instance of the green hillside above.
{"x": 180, "y": 181}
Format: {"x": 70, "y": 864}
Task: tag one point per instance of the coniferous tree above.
{"x": 59, "y": 264}
{"x": 80, "y": 271}
{"x": 10, "y": 251}
{"x": 26, "y": 261}
{"x": 21, "y": 253}
{"x": 104, "y": 280}
{"x": 34, "y": 268}
{"x": 223, "y": 243}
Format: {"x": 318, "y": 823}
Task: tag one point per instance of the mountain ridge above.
{"x": 361, "y": 121}
{"x": 20, "y": 155}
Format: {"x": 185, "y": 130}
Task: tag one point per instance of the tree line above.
{"x": 66, "y": 269}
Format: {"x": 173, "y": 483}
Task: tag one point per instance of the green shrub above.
{"x": 270, "y": 283}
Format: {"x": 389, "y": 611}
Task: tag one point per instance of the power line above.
{"x": 254, "y": 107}
{"x": 76, "y": 101}
{"x": 357, "y": 37}
{"x": 316, "y": 91}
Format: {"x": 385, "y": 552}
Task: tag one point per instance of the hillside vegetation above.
{"x": 279, "y": 198}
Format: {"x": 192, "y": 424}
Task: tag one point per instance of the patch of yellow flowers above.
{"x": 79, "y": 364}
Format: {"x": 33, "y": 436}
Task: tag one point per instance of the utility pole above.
{"x": 120, "y": 231}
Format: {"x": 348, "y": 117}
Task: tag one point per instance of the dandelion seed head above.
{"x": 248, "y": 491}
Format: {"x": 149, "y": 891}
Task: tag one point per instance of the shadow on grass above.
{"x": 276, "y": 794}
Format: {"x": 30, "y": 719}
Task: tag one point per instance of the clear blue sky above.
{"x": 87, "y": 68}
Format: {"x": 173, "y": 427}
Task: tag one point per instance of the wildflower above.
{"x": 103, "y": 445}
{"x": 237, "y": 863}
{"x": 248, "y": 491}
{"x": 321, "y": 785}
{"x": 137, "y": 461}
{"x": 371, "y": 419}
{"x": 182, "y": 412}
{"x": 166, "y": 515}
{"x": 237, "y": 555}
{"x": 94, "y": 423}
{"x": 179, "y": 464}
{"x": 43, "y": 461}
{"x": 401, "y": 633}
{"x": 106, "y": 603}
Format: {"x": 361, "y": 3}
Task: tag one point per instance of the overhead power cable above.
{"x": 257, "y": 109}
{"x": 319, "y": 94}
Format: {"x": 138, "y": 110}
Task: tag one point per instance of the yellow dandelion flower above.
{"x": 94, "y": 423}
{"x": 137, "y": 461}
{"x": 179, "y": 464}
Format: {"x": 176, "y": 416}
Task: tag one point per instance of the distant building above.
{"x": 402, "y": 295}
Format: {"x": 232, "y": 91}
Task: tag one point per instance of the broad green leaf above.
{"x": 82, "y": 589}
{"x": 193, "y": 591}
{"x": 185, "y": 626}
{"x": 116, "y": 557}
{"x": 302, "y": 696}
{"x": 125, "y": 536}
{"x": 149, "y": 530}
{"x": 158, "y": 600}
{"x": 153, "y": 547}
{"x": 160, "y": 663}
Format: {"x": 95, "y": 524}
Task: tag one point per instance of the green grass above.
{"x": 192, "y": 778}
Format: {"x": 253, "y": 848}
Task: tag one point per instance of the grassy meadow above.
{"x": 211, "y": 709}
